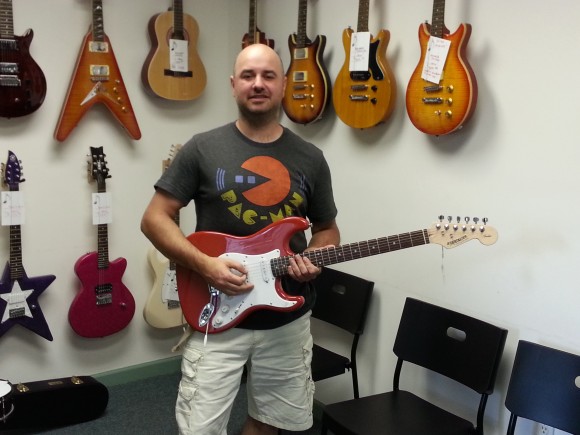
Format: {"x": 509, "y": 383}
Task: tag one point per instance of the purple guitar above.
{"x": 104, "y": 304}
{"x": 18, "y": 292}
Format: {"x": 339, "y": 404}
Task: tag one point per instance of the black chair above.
{"x": 454, "y": 345}
{"x": 342, "y": 300}
{"x": 544, "y": 387}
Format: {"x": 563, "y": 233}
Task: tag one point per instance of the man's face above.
{"x": 258, "y": 81}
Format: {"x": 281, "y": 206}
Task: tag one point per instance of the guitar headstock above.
{"x": 12, "y": 172}
{"x": 450, "y": 234}
{"x": 172, "y": 153}
{"x": 98, "y": 170}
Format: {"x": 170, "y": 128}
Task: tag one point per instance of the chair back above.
{"x": 545, "y": 387}
{"x": 460, "y": 347}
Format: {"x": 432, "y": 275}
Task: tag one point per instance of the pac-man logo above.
{"x": 275, "y": 189}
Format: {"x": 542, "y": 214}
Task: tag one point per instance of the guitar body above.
{"x": 156, "y": 74}
{"x": 308, "y": 83}
{"x": 104, "y": 305}
{"x": 443, "y": 111}
{"x": 157, "y": 312}
{"x": 96, "y": 79}
{"x": 19, "y": 302}
{"x": 21, "y": 91}
{"x": 254, "y": 252}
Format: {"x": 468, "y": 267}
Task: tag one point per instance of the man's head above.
{"x": 258, "y": 83}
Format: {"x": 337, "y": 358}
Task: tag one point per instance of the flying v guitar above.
{"x": 266, "y": 255}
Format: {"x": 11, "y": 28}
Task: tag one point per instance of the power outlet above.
{"x": 542, "y": 429}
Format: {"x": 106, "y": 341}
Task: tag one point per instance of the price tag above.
{"x": 178, "y": 55}
{"x": 12, "y": 208}
{"x": 102, "y": 208}
{"x": 437, "y": 51}
{"x": 360, "y": 43}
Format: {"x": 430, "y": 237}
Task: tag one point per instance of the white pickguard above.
{"x": 264, "y": 293}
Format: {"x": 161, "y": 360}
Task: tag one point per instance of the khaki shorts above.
{"x": 279, "y": 385}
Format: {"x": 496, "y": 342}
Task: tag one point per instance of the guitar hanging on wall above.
{"x": 22, "y": 82}
{"x": 266, "y": 255}
{"x": 96, "y": 79}
{"x": 173, "y": 69}
{"x": 442, "y": 91}
{"x": 254, "y": 35}
{"x": 162, "y": 309}
{"x": 104, "y": 305}
{"x": 307, "y": 82}
{"x": 364, "y": 91}
{"x": 18, "y": 292}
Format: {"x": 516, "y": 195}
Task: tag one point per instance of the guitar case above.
{"x": 54, "y": 402}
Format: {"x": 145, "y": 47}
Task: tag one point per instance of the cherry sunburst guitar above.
{"x": 266, "y": 255}
{"x": 442, "y": 107}
{"x": 173, "y": 69}
{"x": 254, "y": 35}
{"x": 365, "y": 96}
{"x": 307, "y": 82}
{"x": 18, "y": 292}
{"x": 96, "y": 79}
{"x": 22, "y": 82}
{"x": 104, "y": 305}
{"x": 162, "y": 309}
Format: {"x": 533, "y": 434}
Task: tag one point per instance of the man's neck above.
{"x": 262, "y": 133}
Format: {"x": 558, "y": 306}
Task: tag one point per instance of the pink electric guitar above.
{"x": 266, "y": 255}
{"x": 104, "y": 304}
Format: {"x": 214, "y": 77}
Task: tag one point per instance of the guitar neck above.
{"x": 98, "y": 23}
{"x": 16, "y": 269}
{"x": 363, "y": 16}
{"x": 102, "y": 246}
{"x": 178, "y": 32}
{"x": 6, "y": 20}
{"x": 253, "y": 19}
{"x": 438, "y": 18}
{"x": 353, "y": 251}
{"x": 302, "y": 15}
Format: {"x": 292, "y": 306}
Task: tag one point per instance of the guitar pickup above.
{"x": 359, "y": 97}
{"x": 300, "y": 76}
{"x": 8, "y": 44}
{"x": 300, "y": 53}
{"x": 432, "y": 89}
{"x": 359, "y": 88}
{"x": 105, "y": 299}
{"x": 8, "y": 68}
{"x": 98, "y": 47}
{"x": 9, "y": 80}
{"x": 17, "y": 312}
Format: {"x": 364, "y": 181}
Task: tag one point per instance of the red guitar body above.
{"x": 104, "y": 305}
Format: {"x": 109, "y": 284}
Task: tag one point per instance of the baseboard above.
{"x": 140, "y": 371}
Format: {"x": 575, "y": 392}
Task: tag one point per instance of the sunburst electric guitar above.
{"x": 307, "y": 82}
{"x": 18, "y": 292}
{"x": 173, "y": 69}
{"x": 364, "y": 91}
{"x": 266, "y": 255}
{"x": 162, "y": 309}
{"x": 22, "y": 82}
{"x": 439, "y": 104}
{"x": 96, "y": 79}
{"x": 254, "y": 35}
{"x": 104, "y": 305}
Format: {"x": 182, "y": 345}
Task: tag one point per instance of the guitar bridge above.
{"x": 16, "y": 312}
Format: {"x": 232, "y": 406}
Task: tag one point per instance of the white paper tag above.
{"x": 360, "y": 43}
{"x": 178, "y": 55}
{"x": 12, "y": 208}
{"x": 437, "y": 50}
{"x": 102, "y": 208}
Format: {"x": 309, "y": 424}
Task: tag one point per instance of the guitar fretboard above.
{"x": 16, "y": 269}
{"x": 353, "y": 251}
{"x": 98, "y": 23}
{"x": 253, "y": 19}
{"x": 302, "y": 15}
{"x": 6, "y": 20}
{"x": 363, "y": 16}
{"x": 178, "y": 32}
{"x": 438, "y": 18}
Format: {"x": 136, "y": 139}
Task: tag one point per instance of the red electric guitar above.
{"x": 254, "y": 35}
{"x": 445, "y": 106}
{"x": 18, "y": 292}
{"x": 266, "y": 255}
{"x": 96, "y": 79}
{"x": 365, "y": 96}
{"x": 104, "y": 305}
{"x": 22, "y": 82}
{"x": 169, "y": 72}
{"x": 308, "y": 84}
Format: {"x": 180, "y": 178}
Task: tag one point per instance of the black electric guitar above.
{"x": 255, "y": 35}
{"x": 18, "y": 292}
{"x": 22, "y": 82}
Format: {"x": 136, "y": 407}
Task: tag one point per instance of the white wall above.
{"x": 515, "y": 163}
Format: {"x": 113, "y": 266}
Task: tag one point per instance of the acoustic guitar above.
{"x": 96, "y": 79}
{"x": 18, "y": 292}
{"x": 307, "y": 82}
{"x": 266, "y": 256}
{"x": 22, "y": 82}
{"x": 173, "y": 69}
{"x": 364, "y": 94}
{"x": 255, "y": 35}
{"x": 442, "y": 106}
{"x": 162, "y": 309}
{"x": 104, "y": 305}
